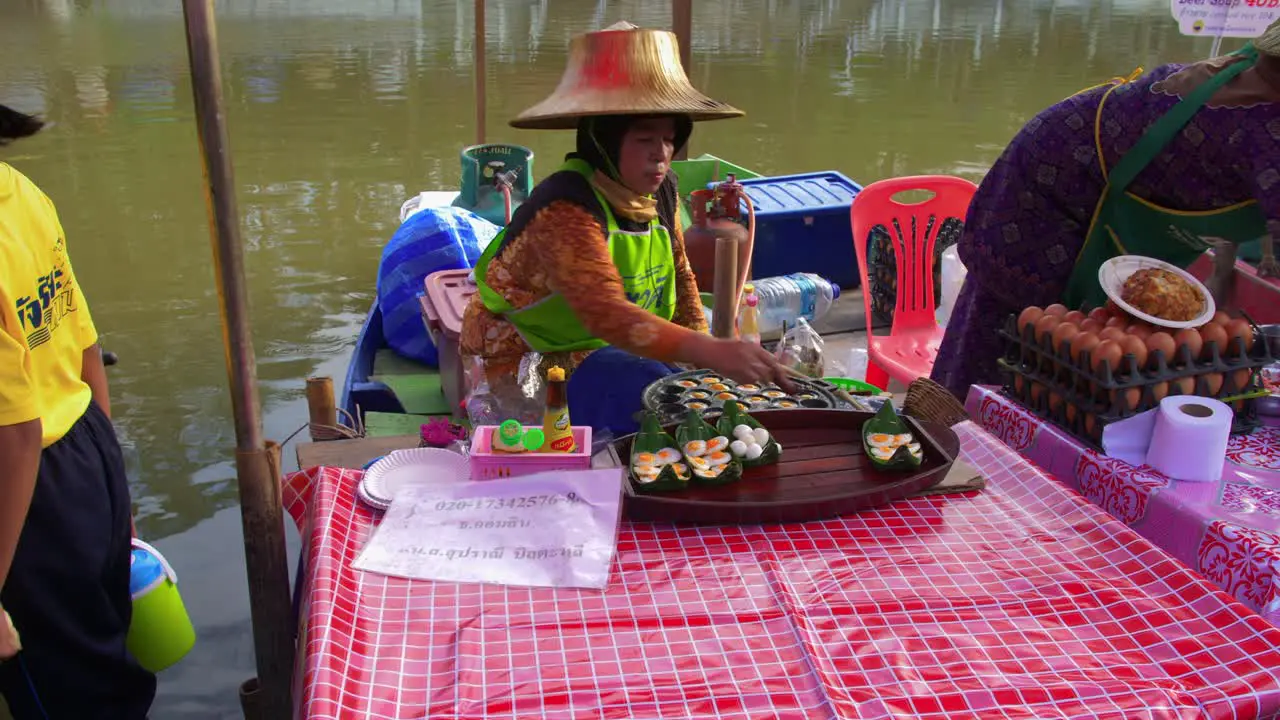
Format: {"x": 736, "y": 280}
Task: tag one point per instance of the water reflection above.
{"x": 341, "y": 109}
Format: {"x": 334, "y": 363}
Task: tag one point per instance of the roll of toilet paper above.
{"x": 1189, "y": 441}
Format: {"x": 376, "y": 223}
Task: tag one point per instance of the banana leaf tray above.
{"x": 824, "y": 472}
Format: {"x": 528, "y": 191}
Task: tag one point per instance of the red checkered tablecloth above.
{"x": 1022, "y": 601}
{"x": 1228, "y": 530}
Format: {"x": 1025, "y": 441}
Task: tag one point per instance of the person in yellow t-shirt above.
{"x": 65, "y": 514}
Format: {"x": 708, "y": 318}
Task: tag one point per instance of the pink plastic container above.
{"x": 488, "y": 465}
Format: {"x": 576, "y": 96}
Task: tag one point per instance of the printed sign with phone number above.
{"x": 1228, "y": 18}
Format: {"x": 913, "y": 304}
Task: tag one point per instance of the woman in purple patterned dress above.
{"x": 1028, "y": 222}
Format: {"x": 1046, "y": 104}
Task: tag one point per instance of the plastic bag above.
{"x": 430, "y": 240}
{"x": 802, "y": 349}
{"x": 491, "y": 401}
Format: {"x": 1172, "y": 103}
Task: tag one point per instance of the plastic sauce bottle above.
{"x": 748, "y": 317}
{"x": 555, "y": 421}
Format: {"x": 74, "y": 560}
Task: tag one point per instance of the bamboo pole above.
{"x": 261, "y": 511}
{"x": 321, "y": 405}
{"x": 723, "y": 316}
{"x": 682, "y": 25}
{"x": 480, "y": 62}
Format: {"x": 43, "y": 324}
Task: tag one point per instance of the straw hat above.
{"x": 1268, "y": 43}
{"x": 622, "y": 70}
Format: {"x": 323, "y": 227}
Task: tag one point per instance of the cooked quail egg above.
{"x": 719, "y": 458}
{"x": 882, "y": 454}
{"x": 738, "y": 448}
{"x": 666, "y": 456}
{"x": 754, "y": 451}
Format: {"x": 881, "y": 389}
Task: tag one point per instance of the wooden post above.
{"x": 724, "y": 315}
{"x": 479, "y": 61}
{"x": 321, "y": 406}
{"x": 682, "y": 25}
{"x": 261, "y": 510}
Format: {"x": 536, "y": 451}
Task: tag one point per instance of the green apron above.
{"x": 644, "y": 261}
{"x": 1125, "y": 224}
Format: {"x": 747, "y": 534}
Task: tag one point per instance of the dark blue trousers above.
{"x": 605, "y": 390}
{"x": 68, "y": 589}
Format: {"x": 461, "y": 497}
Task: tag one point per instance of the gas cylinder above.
{"x": 715, "y": 213}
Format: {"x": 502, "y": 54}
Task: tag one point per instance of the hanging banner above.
{"x": 1224, "y": 18}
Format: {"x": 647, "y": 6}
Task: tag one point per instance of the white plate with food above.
{"x": 1155, "y": 291}
{"x": 416, "y": 466}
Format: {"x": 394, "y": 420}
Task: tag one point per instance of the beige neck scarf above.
{"x": 623, "y": 200}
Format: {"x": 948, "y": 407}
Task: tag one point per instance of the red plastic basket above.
{"x": 489, "y": 465}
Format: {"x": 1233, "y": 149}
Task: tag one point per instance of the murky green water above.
{"x": 341, "y": 109}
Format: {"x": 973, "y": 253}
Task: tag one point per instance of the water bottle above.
{"x": 953, "y": 275}
{"x": 798, "y": 295}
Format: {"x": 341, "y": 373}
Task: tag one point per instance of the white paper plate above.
{"x": 410, "y": 467}
{"x": 1115, "y": 271}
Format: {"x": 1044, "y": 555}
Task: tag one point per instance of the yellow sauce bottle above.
{"x": 555, "y": 421}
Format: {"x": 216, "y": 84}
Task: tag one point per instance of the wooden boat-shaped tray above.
{"x": 823, "y": 473}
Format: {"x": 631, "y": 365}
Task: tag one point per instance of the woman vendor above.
{"x": 591, "y": 272}
{"x": 1167, "y": 165}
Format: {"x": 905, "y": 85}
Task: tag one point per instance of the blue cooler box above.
{"x": 802, "y": 225}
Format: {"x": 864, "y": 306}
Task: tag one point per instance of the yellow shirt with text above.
{"x": 44, "y": 322}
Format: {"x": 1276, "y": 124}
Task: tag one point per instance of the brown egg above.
{"x": 1036, "y": 391}
{"x": 1160, "y": 344}
{"x": 1075, "y": 317}
{"x": 1239, "y": 337}
{"x": 1057, "y": 309}
{"x": 1055, "y": 401}
{"x": 1030, "y": 316}
{"x": 1085, "y": 342}
{"x": 1214, "y": 336}
{"x": 1182, "y": 386}
{"x": 1113, "y": 309}
{"x": 1100, "y": 314}
{"x": 1191, "y": 338}
{"x": 1212, "y": 384}
{"x": 1045, "y": 326}
{"x": 1137, "y": 348}
{"x": 1071, "y": 412}
{"x": 1126, "y": 399}
{"x": 1090, "y": 424}
{"x": 1118, "y": 322}
{"x": 1092, "y": 326}
{"x": 1139, "y": 330}
{"x": 1112, "y": 333}
{"x": 1108, "y": 353}
{"x": 1159, "y": 390}
{"x": 1221, "y": 318}
{"x": 1240, "y": 380}
{"x": 1018, "y": 382}
{"x": 1062, "y": 334}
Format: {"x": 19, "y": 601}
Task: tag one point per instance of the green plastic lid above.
{"x": 510, "y": 432}
{"x": 533, "y": 439}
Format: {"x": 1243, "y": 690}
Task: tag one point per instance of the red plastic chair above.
{"x": 910, "y": 348}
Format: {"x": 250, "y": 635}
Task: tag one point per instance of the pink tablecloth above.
{"x": 1022, "y": 601}
{"x": 1229, "y": 531}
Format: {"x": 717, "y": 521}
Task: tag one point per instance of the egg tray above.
{"x": 1102, "y": 398}
{"x": 670, "y": 398}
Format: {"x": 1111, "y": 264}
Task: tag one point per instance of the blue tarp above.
{"x": 431, "y": 240}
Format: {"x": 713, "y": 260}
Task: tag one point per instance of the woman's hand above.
{"x": 745, "y": 362}
{"x": 10, "y": 643}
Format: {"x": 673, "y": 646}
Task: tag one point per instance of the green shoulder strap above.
{"x": 1157, "y": 137}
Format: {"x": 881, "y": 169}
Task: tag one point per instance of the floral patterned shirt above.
{"x": 557, "y": 243}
